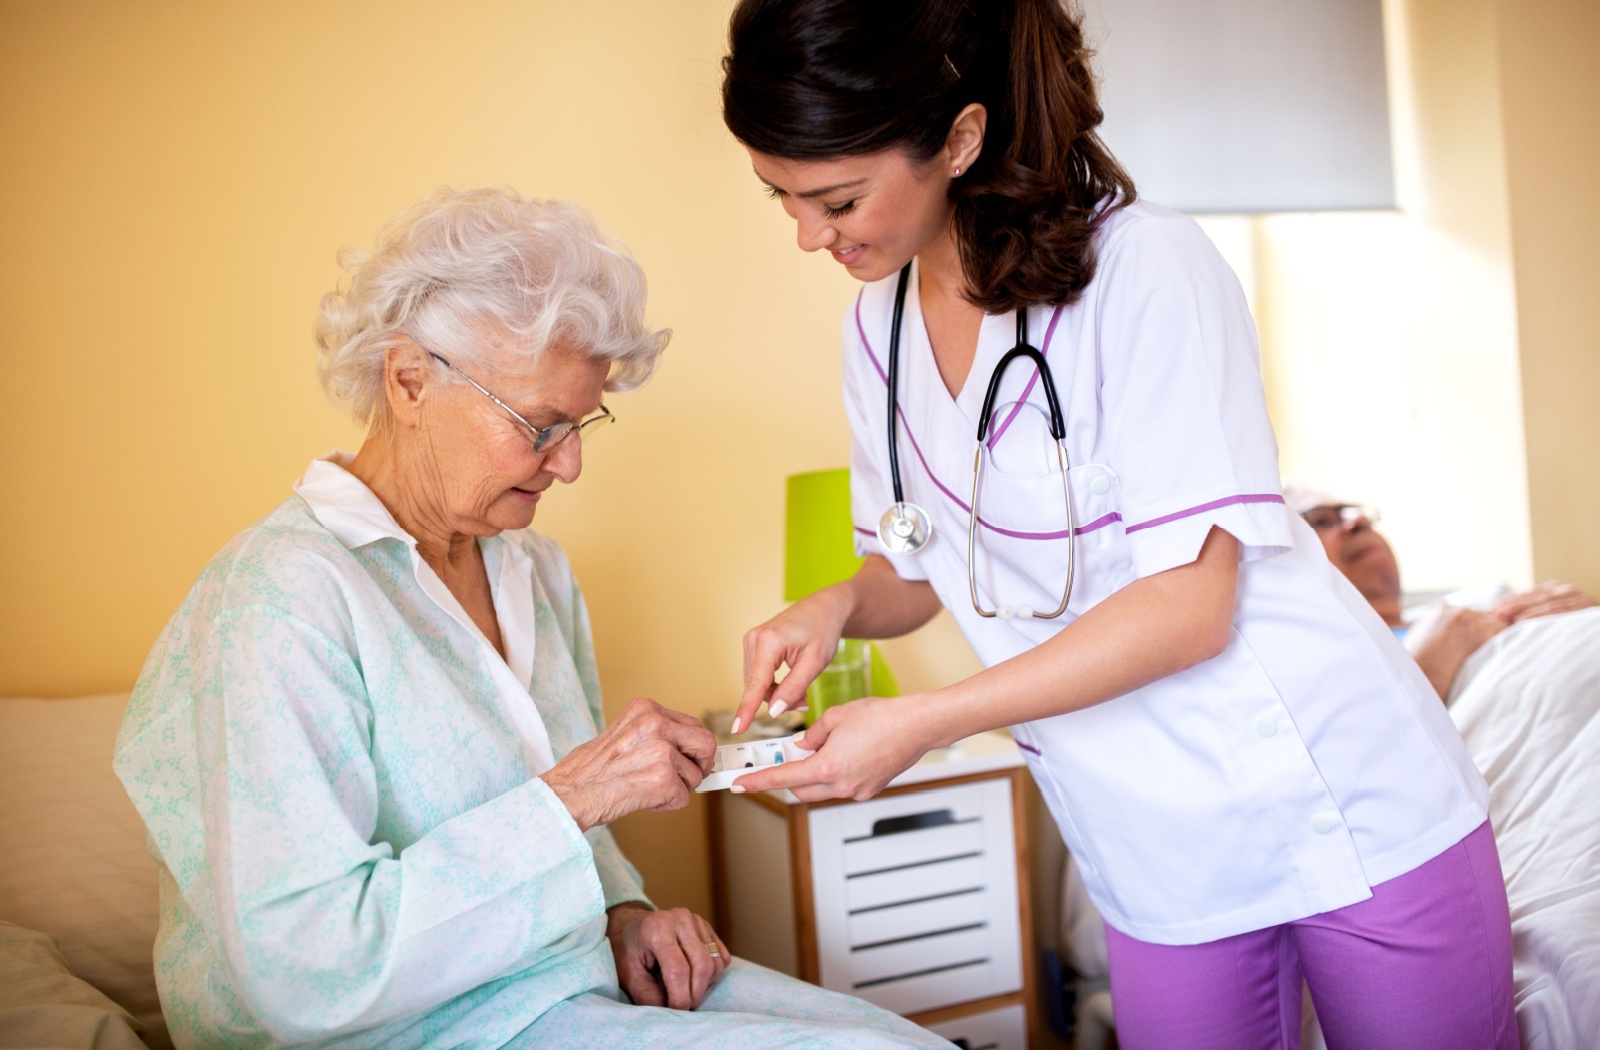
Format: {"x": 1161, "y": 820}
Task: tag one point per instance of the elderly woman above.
{"x": 368, "y": 747}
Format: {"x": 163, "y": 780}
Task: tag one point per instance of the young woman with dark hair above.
{"x": 1256, "y": 781}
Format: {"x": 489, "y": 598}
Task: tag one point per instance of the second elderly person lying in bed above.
{"x": 1439, "y": 635}
{"x": 368, "y": 746}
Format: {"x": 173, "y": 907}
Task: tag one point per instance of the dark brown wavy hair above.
{"x": 815, "y": 79}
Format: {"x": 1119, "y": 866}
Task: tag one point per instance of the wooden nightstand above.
{"x": 915, "y": 900}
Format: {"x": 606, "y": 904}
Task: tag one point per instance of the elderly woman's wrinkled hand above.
{"x": 665, "y": 958}
{"x": 650, "y": 758}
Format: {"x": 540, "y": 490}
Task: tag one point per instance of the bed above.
{"x": 1528, "y": 706}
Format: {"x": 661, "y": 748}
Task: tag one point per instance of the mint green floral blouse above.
{"x": 339, "y": 778}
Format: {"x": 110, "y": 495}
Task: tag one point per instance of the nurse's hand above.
{"x": 805, "y": 636}
{"x": 664, "y": 958}
{"x": 860, "y": 747}
{"x": 650, "y": 758}
{"x": 874, "y": 603}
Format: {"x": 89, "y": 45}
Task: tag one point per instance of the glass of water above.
{"x": 847, "y": 677}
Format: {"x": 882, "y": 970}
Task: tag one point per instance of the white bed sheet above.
{"x": 1528, "y": 706}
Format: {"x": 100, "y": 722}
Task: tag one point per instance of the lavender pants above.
{"x": 1423, "y": 964}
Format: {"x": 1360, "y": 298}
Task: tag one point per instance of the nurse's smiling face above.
{"x": 873, "y": 211}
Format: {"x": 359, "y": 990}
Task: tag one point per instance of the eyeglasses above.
{"x": 543, "y": 438}
{"x": 1340, "y": 515}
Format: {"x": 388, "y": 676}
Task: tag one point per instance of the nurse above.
{"x": 1257, "y": 782}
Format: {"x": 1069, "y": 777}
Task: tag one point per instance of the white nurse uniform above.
{"x": 1309, "y": 761}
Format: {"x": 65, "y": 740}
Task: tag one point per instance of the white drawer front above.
{"x": 916, "y": 896}
{"x": 1002, "y": 1029}
{"x": 922, "y": 955}
{"x": 916, "y": 884}
{"x": 883, "y": 852}
{"x": 878, "y": 925}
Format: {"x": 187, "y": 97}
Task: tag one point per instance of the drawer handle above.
{"x": 919, "y": 936}
{"x": 916, "y": 864}
{"x": 934, "y": 818}
{"x": 920, "y": 973}
{"x": 918, "y": 900}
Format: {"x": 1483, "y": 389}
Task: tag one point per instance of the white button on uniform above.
{"x": 1100, "y": 485}
{"x": 1321, "y": 825}
{"x": 1266, "y": 725}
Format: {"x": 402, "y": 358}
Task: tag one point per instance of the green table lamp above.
{"x": 819, "y": 551}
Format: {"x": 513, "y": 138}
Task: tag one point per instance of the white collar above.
{"x": 345, "y": 506}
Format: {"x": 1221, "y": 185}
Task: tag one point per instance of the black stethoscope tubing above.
{"x": 909, "y": 524}
{"x": 894, "y": 380}
{"x": 1058, "y": 426}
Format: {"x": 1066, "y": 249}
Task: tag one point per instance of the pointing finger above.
{"x": 762, "y": 660}
{"x": 791, "y": 692}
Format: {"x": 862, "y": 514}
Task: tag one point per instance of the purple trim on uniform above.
{"x": 1049, "y": 333}
{"x": 1030, "y": 749}
{"x": 866, "y": 532}
{"x": 1099, "y": 523}
{"x": 1253, "y": 497}
{"x": 957, "y": 500}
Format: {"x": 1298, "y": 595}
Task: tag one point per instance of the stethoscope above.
{"x": 905, "y": 528}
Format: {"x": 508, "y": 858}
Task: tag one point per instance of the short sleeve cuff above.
{"x": 906, "y": 566}
{"x": 1259, "y": 521}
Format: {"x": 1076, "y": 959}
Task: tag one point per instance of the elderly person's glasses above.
{"x": 1340, "y": 515}
{"x": 543, "y": 438}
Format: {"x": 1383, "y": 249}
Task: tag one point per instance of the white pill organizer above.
{"x": 733, "y": 761}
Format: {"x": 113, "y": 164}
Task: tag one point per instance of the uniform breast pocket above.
{"x": 1024, "y": 543}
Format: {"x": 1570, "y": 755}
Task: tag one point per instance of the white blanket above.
{"x": 1528, "y": 706}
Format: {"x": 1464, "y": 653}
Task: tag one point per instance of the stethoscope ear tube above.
{"x": 1058, "y": 426}
{"x": 905, "y": 528}
{"x": 1058, "y": 431}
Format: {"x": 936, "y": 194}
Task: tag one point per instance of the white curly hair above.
{"x": 463, "y": 264}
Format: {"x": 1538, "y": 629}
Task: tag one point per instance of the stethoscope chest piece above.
{"x": 904, "y": 528}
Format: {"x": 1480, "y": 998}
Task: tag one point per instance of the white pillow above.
{"x": 44, "y": 1007}
{"x": 76, "y": 865}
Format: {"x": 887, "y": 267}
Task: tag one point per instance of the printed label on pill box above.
{"x": 733, "y": 761}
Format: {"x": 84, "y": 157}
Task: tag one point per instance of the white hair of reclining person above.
{"x": 463, "y": 264}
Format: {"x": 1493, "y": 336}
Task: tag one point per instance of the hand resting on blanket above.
{"x": 1442, "y": 635}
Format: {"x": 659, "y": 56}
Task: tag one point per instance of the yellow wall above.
{"x": 178, "y": 177}
{"x": 1549, "y": 60}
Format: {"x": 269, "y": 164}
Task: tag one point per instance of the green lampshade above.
{"x": 819, "y": 548}
{"x": 819, "y": 542}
